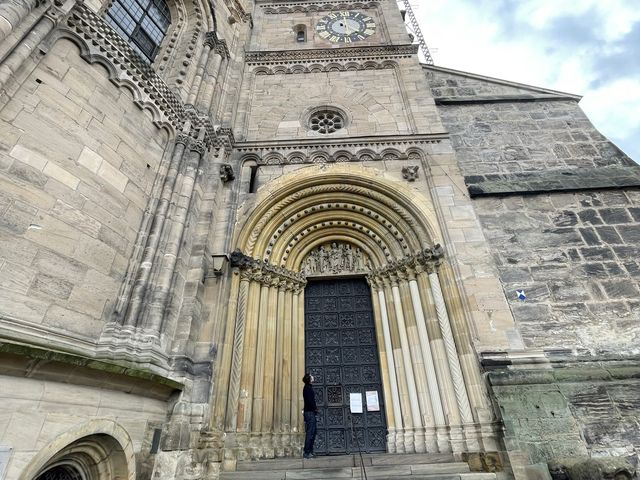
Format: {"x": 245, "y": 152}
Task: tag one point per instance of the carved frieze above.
{"x": 286, "y": 68}
{"x": 266, "y": 273}
{"x": 406, "y": 268}
{"x": 335, "y": 258}
{"x": 386, "y": 52}
{"x": 325, "y": 6}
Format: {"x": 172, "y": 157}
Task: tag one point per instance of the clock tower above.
{"x": 334, "y": 126}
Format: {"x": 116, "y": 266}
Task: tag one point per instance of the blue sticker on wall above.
{"x": 521, "y": 295}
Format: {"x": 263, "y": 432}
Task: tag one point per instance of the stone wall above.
{"x": 574, "y": 251}
{"x": 576, "y": 257}
{"x": 576, "y": 411}
{"x": 77, "y": 163}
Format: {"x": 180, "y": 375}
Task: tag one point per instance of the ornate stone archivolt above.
{"x": 329, "y": 224}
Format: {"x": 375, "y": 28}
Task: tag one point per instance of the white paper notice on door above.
{"x": 355, "y": 402}
{"x": 373, "y": 404}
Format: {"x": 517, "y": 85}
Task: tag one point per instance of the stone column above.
{"x": 443, "y": 374}
{"x": 214, "y": 62}
{"x": 151, "y": 242}
{"x": 238, "y": 350}
{"x": 417, "y": 366}
{"x": 245, "y": 402}
{"x": 389, "y": 382}
{"x": 278, "y": 362}
{"x": 430, "y": 370}
{"x": 404, "y": 432}
{"x": 416, "y": 418}
{"x": 258, "y": 379}
{"x": 287, "y": 356}
{"x": 159, "y": 297}
{"x": 296, "y": 332}
{"x": 197, "y": 79}
{"x": 225, "y": 363}
{"x": 12, "y": 12}
{"x": 19, "y": 54}
{"x": 269, "y": 370}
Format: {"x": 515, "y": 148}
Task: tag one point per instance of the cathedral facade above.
{"x": 202, "y": 201}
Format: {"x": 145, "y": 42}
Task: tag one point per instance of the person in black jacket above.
{"x": 310, "y": 410}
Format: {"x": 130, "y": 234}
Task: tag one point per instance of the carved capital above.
{"x": 182, "y": 138}
{"x": 198, "y": 146}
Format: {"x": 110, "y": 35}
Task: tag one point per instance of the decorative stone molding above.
{"x": 285, "y": 8}
{"x": 336, "y": 258}
{"x": 410, "y": 172}
{"x": 264, "y": 272}
{"x": 427, "y": 259}
{"x": 386, "y": 52}
{"x": 226, "y": 173}
{"x": 98, "y": 42}
{"x": 286, "y": 68}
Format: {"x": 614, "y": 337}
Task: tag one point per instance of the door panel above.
{"x": 341, "y": 353}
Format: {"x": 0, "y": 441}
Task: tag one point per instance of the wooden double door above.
{"x": 341, "y": 352}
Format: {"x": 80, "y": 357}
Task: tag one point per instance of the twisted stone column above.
{"x": 452, "y": 353}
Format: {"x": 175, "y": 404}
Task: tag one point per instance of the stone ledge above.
{"x": 553, "y": 181}
{"x": 25, "y": 360}
{"x": 502, "y": 99}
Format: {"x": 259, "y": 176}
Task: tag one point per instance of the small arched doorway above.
{"x": 62, "y": 472}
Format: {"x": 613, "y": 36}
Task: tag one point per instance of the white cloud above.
{"x": 577, "y": 46}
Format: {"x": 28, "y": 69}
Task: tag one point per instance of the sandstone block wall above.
{"x": 573, "y": 250}
{"x": 77, "y": 164}
{"x": 570, "y": 412}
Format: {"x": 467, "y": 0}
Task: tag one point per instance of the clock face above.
{"x": 345, "y": 27}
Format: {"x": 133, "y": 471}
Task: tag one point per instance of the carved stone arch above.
{"x": 283, "y": 10}
{"x": 389, "y": 64}
{"x": 262, "y": 70}
{"x": 334, "y": 207}
{"x": 101, "y": 449}
{"x": 280, "y": 69}
{"x": 343, "y": 156}
{"x": 296, "y": 157}
{"x": 298, "y": 69}
{"x": 273, "y": 158}
{"x": 367, "y": 155}
{"x": 370, "y": 65}
{"x": 391, "y": 154}
{"x": 249, "y": 159}
{"x": 415, "y": 154}
{"x": 316, "y": 68}
{"x": 334, "y": 67}
{"x": 352, "y": 66}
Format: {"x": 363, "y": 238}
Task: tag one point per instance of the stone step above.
{"x": 345, "y": 461}
{"x": 378, "y": 467}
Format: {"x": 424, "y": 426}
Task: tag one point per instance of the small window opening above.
{"x": 301, "y": 33}
{"x": 253, "y": 180}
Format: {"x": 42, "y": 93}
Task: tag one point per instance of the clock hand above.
{"x": 346, "y": 24}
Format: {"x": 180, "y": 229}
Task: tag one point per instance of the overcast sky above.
{"x": 586, "y": 47}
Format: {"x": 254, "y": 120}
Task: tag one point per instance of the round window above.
{"x": 326, "y": 121}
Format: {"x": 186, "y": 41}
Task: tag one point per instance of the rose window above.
{"x": 326, "y": 121}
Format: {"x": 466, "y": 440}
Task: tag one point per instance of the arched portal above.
{"x": 387, "y": 233}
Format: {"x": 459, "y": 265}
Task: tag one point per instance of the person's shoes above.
{"x": 308, "y": 455}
